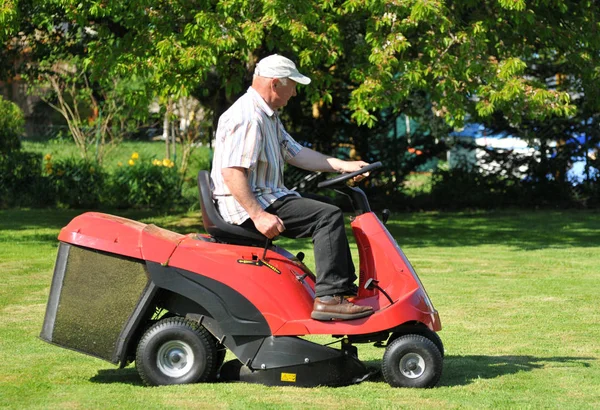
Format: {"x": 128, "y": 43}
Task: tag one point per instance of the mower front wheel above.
{"x": 175, "y": 351}
{"x": 412, "y": 361}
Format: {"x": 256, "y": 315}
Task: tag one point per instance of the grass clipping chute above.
{"x": 92, "y": 298}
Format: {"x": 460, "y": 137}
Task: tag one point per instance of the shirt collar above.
{"x": 260, "y": 101}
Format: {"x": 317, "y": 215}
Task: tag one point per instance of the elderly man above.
{"x": 251, "y": 149}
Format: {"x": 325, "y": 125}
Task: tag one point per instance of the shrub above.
{"x": 145, "y": 184}
{"x": 21, "y": 182}
{"x": 458, "y": 189}
{"x": 77, "y": 183}
{"x": 11, "y": 126}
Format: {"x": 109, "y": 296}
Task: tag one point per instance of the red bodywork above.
{"x": 285, "y": 302}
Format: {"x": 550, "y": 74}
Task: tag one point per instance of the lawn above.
{"x": 516, "y": 291}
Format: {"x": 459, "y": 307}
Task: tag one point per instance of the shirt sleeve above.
{"x": 289, "y": 147}
{"x": 242, "y": 146}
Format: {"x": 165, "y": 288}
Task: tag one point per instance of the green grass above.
{"x": 516, "y": 292}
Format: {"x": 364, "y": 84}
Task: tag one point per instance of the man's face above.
{"x": 283, "y": 93}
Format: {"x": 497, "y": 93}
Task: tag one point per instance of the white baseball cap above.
{"x": 276, "y": 66}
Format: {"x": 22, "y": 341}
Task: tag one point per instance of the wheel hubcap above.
{"x": 412, "y": 365}
{"x": 175, "y": 358}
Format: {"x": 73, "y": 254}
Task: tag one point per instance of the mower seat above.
{"x": 216, "y": 226}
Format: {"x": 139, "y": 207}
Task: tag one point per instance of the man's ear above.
{"x": 274, "y": 82}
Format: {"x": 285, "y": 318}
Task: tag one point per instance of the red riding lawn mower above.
{"x": 126, "y": 291}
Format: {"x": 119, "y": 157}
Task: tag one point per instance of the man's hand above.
{"x": 237, "y": 181}
{"x": 268, "y": 224}
{"x": 351, "y": 166}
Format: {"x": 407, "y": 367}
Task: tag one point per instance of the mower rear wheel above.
{"x": 175, "y": 351}
{"x": 412, "y": 361}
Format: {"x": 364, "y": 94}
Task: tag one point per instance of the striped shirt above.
{"x": 250, "y": 135}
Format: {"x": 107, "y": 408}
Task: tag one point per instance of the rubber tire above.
{"x": 175, "y": 329}
{"x": 412, "y": 344}
{"x": 423, "y": 331}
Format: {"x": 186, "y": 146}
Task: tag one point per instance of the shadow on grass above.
{"x": 458, "y": 370}
{"x": 25, "y": 219}
{"x": 464, "y": 370}
{"x": 118, "y": 376}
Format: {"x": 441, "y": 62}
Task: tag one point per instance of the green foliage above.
{"x": 77, "y": 182}
{"x": 11, "y": 126}
{"x": 450, "y": 62}
{"x": 451, "y": 51}
{"x": 146, "y": 184}
{"x": 463, "y": 189}
{"x": 136, "y": 184}
{"x": 8, "y": 17}
{"x": 459, "y": 50}
{"x": 21, "y": 181}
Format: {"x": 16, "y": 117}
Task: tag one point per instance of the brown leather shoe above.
{"x": 336, "y": 307}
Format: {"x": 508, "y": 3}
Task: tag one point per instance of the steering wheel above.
{"x": 345, "y": 177}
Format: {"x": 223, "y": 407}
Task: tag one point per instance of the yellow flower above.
{"x": 135, "y": 155}
{"x": 157, "y": 162}
{"x": 131, "y": 162}
{"x": 48, "y": 157}
{"x": 119, "y": 164}
{"x": 168, "y": 163}
{"x": 92, "y": 170}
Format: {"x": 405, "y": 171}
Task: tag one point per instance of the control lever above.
{"x": 371, "y": 284}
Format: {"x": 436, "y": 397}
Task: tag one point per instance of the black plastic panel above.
{"x": 235, "y": 314}
{"x": 338, "y": 371}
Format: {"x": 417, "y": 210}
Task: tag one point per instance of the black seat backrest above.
{"x": 214, "y": 223}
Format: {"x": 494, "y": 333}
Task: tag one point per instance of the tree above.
{"x": 565, "y": 56}
{"x": 450, "y": 50}
{"x": 48, "y": 52}
{"x": 367, "y": 58}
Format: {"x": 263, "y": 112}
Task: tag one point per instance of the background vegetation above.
{"x": 49, "y": 173}
{"x": 522, "y": 69}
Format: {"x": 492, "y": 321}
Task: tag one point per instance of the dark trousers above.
{"x": 304, "y": 217}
